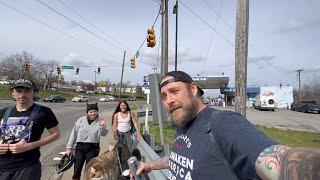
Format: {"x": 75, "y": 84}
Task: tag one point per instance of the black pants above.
{"x": 32, "y": 172}
{"x": 84, "y": 153}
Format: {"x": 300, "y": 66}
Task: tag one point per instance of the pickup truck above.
{"x": 306, "y": 106}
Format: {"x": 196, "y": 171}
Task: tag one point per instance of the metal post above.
{"x": 241, "y": 49}
{"x": 146, "y": 126}
{"x": 124, "y": 57}
{"x": 299, "y": 76}
{"x": 176, "y": 48}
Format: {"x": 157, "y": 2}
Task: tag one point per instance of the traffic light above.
{"x": 151, "y": 38}
{"x": 77, "y": 70}
{"x": 133, "y": 63}
{"x": 27, "y": 67}
{"x": 58, "y": 70}
{"x": 99, "y": 70}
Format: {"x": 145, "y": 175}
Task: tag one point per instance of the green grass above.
{"x": 67, "y": 95}
{"x": 6, "y": 94}
{"x": 292, "y": 138}
{"x": 286, "y": 137}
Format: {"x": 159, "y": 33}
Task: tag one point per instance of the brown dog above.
{"x": 104, "y": 166}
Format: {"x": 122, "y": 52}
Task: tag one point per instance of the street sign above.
{"x": 67, "y": 67}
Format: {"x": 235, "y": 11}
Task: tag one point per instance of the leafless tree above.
{"x": 311, "y": 89}
{"x": 41, "y": 71}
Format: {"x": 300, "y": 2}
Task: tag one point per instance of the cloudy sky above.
{"x": 283, "y": 36}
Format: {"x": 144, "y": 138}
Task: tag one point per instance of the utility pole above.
{"x": 95, "y": 88}
{"x": 124, "y": 57}
{"x": 175, "y": 11}
{"x": 241, "y": 50}
{"x": 299, "y": 77}
{"x": 164, "y": 37}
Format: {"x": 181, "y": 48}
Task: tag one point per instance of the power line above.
{"x": 213, "y": 32}
{"x": 57, "y": 12}
{"x": 45, "y": 24}
{"x": 206, "y": 23}
{"x": 218, "y": 14}
{"x": 117, "y": 43}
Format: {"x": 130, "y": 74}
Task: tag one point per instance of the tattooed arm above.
{"x": 282, "y": 162}
{"x": 161, "y": 163}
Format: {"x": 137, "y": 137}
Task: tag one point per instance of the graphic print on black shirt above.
{"x": 16, "y": 128}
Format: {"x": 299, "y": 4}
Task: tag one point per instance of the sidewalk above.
{"x": 105, "y": 141}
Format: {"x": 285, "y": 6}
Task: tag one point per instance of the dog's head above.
{"x": 99, "y": 167}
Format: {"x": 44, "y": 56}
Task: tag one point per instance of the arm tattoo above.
{"x": 268, "y": 161}
{"x": 161, "y": 163}
{"x": 299, "y": 163}
{"x": 282, "y": 162}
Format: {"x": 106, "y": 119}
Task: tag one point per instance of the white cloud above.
{"x": 296, "y": 25}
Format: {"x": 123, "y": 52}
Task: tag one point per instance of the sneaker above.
{"x": 64, "y": 164}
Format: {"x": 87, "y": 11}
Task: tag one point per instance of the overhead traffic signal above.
{"x": 133, "y": 63}
{"x": 151, "y": 38}
{"x": 77, "y": 70}
{"x": 99, "y": 70}
{"x": 58, "y": 70}
{"x": 27, "y": 67}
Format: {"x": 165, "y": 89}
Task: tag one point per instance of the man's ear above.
{"x": 194, "y": 88}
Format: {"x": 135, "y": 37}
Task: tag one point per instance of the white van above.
{"x": 266, "y": 101}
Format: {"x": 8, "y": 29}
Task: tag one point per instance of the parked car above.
{"x": 131, "y": 99}
{"x": 80, "y": 98}
{"x": 54, "y": 98}
{"x": 107, "y": 99}
{"x": 306, "y": 106}
{"x": 104, "y": 99}
{"x": 4, "y": 82}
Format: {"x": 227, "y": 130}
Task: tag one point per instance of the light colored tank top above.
{"x": 124, "y": 124}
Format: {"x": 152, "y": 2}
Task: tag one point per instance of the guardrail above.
{"x": 148, "y": 154}
{"x": 143, "y": 113}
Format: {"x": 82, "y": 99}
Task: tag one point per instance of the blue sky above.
{"x": 283, "y": 37}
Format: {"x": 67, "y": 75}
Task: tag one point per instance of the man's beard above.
{"x": 189, "y": 111}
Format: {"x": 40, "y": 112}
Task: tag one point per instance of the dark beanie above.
{"x": 92, "y": 107}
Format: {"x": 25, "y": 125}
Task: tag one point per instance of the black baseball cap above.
{"x": 24, "y": 83}
{"x": 178, "y": 76}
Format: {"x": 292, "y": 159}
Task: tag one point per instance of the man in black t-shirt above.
{"x": 21, "y": 128}
{"x": 212, "y": 144}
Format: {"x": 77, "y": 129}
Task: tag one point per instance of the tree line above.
{"x": 42, "y": 72}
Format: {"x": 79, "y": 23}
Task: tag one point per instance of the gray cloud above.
{"x": 74, "y": 59}
{"x": 294, "y": 26}
{"x": 154, "y": 58}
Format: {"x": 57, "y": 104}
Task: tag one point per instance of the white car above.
{"x": 104, "y": 100}
{"x": 80, "y": 98}
{"x": 107, "y": 99}
{"x": 4, "y": 82}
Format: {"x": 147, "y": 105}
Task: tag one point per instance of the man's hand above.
{"x": 19, "y": 147}
{"x": 3, "y": 147}
{"x": 144, "y": 168}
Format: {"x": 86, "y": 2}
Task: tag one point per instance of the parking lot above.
{"x": 282, "y": 118}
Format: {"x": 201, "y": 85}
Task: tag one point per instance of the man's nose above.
{"x": 169, "y": 100}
